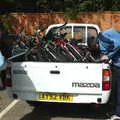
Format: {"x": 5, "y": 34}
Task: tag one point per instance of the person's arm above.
{"x": 106, "y": 46}
{"x": 3, "y": 63}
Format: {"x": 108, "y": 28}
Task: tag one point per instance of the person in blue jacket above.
{"x": 109, "y": 45}
{"x": 3, "y": 63}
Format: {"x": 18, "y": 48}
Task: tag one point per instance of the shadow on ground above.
{"x": 47, "y": 111}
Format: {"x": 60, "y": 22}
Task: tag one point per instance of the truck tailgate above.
{"x": 57, "y": 77}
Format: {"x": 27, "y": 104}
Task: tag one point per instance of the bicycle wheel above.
{"x": 75, "y": 52}
{"x": 66, "y": 54}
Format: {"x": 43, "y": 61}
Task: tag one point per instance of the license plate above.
{"x": 56, "y": 97}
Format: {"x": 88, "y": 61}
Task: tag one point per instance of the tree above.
{"x": 70, "y": 7}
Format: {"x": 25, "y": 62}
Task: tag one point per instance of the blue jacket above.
{"x": 109, "y": 44}
{"x": 2, "y": 62}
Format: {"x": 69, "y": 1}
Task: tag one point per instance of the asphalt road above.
{"x": 48, "y": 111}
{"x": 4, "y": 100}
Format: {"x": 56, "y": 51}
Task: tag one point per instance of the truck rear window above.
{"x": 91, "y": 31}
{"x": 79, "y": 33}
{"x": 58, "y": 30}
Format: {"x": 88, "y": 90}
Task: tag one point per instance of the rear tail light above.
{"x": 8, "y": 82}
{"x": 106, "y": 79}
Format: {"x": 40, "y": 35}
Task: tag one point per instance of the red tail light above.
{"x": 8, "y": 77}
{"x": 106, "y": 85}
{"x": 106, "y": 79}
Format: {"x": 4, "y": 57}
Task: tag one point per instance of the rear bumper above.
{"x": 77, "y": 98}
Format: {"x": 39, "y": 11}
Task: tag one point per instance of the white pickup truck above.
{"x": 61, "y": 82}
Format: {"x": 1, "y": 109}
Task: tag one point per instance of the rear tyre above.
{"x": 112, "y": 100}
{"x": 109, "y": 107}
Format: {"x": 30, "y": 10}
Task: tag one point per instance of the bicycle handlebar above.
{"x": 62, "y": 25}
{"x": 103, "y": 61}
